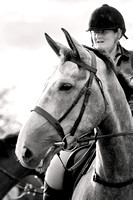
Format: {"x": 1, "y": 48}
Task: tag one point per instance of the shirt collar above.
{"x": 122, "y": 52}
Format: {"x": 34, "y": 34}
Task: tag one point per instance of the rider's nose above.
{"x": 26, "y": 154}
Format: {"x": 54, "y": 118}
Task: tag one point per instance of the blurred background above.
{"x": 26, "y": 60}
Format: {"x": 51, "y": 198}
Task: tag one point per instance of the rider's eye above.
{"x": 65, "y": 87}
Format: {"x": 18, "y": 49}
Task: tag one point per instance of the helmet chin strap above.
{"x": 112, "y": 51}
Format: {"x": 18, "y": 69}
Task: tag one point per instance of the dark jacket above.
{"x": 124, "y": 66}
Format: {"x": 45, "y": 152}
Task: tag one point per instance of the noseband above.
{"x": 86, "y": 91}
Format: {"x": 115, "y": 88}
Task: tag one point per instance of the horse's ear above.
{"x": 72, "y": 42}
{"x": 56, "y": 46}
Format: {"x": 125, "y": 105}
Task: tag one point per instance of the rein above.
{"x": 102, "y": 136}
{"x": 96, "y": 177}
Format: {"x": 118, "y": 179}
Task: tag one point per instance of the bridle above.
{"x": 86, "y": 91}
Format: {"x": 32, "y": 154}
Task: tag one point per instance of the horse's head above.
{"x": 71, "y": 104}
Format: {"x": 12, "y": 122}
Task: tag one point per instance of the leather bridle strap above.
{"x": 52, "y": 120}
{"x": 97, "y": 179}
{"x": 82, "y": 64}
{"x": 85, "y": 101}
{"x": 86, "y": 66}
{"x": 82, "y": 91}
{"x": 85, "y": 90}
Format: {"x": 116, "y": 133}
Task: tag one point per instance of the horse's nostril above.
{"x": 27, "y": 154}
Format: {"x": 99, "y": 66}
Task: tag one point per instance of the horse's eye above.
{"x": 65, "y": 87}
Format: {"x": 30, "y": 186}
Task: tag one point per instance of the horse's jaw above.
{"x": 45, "y": 162}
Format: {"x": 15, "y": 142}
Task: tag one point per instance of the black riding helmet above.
{"x": 107, "y": 18}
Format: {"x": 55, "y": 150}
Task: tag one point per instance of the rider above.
{"x": 107, "y": 27}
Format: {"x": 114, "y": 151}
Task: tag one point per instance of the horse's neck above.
{"x": 113, "y": 154}
{"x": 117, "y": 108}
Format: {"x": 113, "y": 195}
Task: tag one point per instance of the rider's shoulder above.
{"x": 125, "y": 51}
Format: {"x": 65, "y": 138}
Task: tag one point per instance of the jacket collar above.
{"x": 122, "y": 51}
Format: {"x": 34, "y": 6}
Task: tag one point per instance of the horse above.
{"x": 12, "y": 172}
{"x": 82, "y": 94}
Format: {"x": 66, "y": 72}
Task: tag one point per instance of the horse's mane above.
{"x": 68, "y": 55}
{"x": 104, "y": 57}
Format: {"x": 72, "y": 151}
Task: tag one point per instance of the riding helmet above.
{"x": 106, "y": 18}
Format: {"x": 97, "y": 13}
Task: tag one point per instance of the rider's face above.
{"x": 105, "y": 39}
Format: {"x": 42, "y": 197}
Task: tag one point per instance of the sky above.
{"x": 26, "y": 59}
